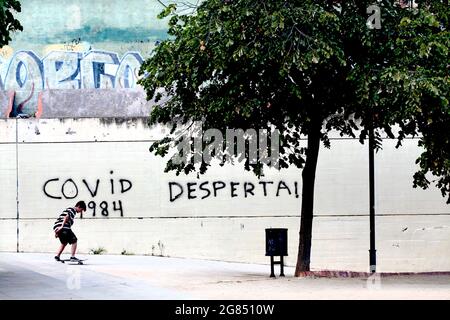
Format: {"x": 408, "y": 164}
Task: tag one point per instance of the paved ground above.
{"x": 37, "y": 276}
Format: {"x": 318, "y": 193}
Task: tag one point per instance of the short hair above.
{"x": 81, "y": 204}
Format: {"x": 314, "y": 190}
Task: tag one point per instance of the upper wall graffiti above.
{"x": 27, "y": 74}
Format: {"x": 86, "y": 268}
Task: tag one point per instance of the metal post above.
{"x": 372, "y": 251}
{"x": 281, "y": 266}
{"x": 272, "y": 271}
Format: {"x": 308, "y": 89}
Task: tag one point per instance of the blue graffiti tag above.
{"x": 28, "y": 75}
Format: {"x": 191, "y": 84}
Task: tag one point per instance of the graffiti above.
{"x": 127, "y": 72}
{"x": 69, "y": 189}
{"x": 28, "y": 75}
{"x": 104, "y": 208}
{"x": 95, "y": 74}
{"x": 76, "y": 45}
{"x": 206, "y": 189}
{"x": 24, "y": 75}
{"x": 72, "y": 45}
{"x": 60, "y": 70}
{"x": 66, "y": 189}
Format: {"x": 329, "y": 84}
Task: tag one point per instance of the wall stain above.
{"x": 119, "y": 121}
{"x": 70, "y": 131}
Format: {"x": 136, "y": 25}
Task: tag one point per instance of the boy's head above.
{"x": 80, "y": 206}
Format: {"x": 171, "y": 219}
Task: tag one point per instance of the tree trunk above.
{"x": 308, "y": 178}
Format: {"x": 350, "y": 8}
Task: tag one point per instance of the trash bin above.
{"x": 276, "y": 245}
{"x": 276, "y": 242}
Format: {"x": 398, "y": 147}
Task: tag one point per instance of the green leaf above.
{"x": 167, "y": 11}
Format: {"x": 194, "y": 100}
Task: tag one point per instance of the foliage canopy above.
{"x": 308, "y": 65}
{"x": 8, "y": 23}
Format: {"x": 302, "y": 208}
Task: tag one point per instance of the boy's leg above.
{"x": 60, "y": 250}
{"x": 74, "y": 249}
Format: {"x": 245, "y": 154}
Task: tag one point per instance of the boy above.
{"x": 63, "y": 231}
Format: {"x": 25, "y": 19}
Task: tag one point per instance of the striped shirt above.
{"x": 68, "y": 212}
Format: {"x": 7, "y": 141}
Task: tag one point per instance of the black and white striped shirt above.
{"x": 71, "y": 213}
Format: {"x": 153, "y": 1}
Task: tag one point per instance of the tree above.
{"x": 8, "y": 23}
{"x": 420, "y": 84}
{"x": 306, "y": 67}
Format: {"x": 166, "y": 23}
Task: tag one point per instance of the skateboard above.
{"x": 72, "y": 262}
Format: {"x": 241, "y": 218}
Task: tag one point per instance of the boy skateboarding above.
{"x": 63, "y": 231}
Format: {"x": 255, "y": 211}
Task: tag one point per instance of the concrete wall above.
{"x": 74, "y": 70}
{"x": 49, "y": 164}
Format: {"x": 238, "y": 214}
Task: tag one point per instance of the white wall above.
{"x": 412, "y": 224}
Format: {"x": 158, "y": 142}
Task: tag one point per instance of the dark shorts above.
{"x": 67, "y": 236}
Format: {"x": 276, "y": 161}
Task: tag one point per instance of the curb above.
{"x": 355, "y": 274}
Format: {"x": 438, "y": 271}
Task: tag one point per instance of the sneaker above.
{"x": 57, "y": 258}
{"x": 74, "y": 259}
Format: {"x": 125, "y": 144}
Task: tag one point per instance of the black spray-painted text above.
{"x": 206, "y": 189}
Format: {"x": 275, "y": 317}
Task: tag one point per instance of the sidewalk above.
{"x": 38, "y": 276}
